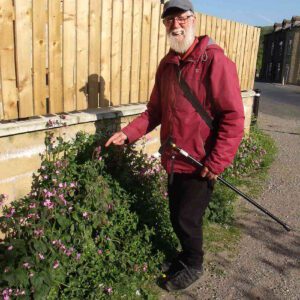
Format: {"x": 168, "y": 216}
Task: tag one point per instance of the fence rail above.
{"x": 66, "y": 55}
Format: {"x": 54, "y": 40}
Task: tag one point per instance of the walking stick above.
{"x": 184, "y": 153}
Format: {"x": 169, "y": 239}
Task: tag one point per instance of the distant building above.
{"x": 281, "y": 56}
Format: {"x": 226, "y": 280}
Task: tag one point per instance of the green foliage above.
{"x": 75, "y": 235}
{"x": 96, "y": 222}
{"x": 255, "y": 154}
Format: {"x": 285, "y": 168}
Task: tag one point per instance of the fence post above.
{"x": 256, "y": 105}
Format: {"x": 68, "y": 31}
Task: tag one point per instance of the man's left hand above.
{"x": 208, "y": 174}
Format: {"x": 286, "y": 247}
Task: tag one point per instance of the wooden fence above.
{"x": 66, "y": 55}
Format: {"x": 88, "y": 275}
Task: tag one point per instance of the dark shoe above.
{"x": 183, "y": 279}
{"x": 171, "y": 267}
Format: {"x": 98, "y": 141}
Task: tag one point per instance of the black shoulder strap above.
{"x": 194, "y": 100}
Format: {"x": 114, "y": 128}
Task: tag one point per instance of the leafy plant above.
{"x": 96, "y": 222}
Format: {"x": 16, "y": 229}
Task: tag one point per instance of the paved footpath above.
{"x": 267, "y": 264}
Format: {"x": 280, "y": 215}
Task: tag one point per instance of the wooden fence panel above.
{"x": 116, "y": 52}
{"x": 105, "y": 65}
{"x": 153, "y": 43}
{"x": 145, "y": 51}
{"x": 69, "y": 54}
{"x": 252, "y": 68}
{"x": 82, "y": 55}
{"x": 126, "y": 51}
{"x": 203, "y": 24}
{"x": 1, "y": 100}
{"x": 39, "y": 56}
{"x": 7, "y": 61}
{"x": 55, "y": 57}
{"x": 23, "y": 10}
{"x": 136, "y": 51}
{"x": 64, "y": 50}
{"x": 94, "y": 53}
{"x": 161, "y": 38}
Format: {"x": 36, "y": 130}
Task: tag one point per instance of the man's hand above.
{"x": 117, "y": 138}
{"x": 206, "y": 173}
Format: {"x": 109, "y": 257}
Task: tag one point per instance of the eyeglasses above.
{"x": 180, "y": 20}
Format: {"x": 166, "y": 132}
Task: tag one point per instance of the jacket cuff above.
{"x": 213, "y": 167}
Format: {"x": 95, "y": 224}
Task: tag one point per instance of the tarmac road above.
{"x": 267, "y": 265}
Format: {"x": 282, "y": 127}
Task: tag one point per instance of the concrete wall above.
{"x": 22, "y": 141}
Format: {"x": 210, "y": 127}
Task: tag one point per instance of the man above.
{"x": 212, "y": 77}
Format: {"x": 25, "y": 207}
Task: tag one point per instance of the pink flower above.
{"x": 48, "y": 204}
{"x": 99, "y": 251}
{"x": 10, "y": 213}
{"x": 41, "y": 256}
{"x": 55, "y": 264}
{"x": 10, "y": 247}
{"x": 39, "y": 232}
{"x": 26, "y": 265}
{"x": 78, "y": 255}
{"x": 45, "y": 177}
{"x": 72, "y": 184}
{"x": 109, "y": 290}
{"x": 145, "y": 267}
{"x": 85, "y": 215}
{"x": 32, "y": 205}
{"x": 61, "y": 185}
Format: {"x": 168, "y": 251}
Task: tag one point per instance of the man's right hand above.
{"x": 117, "y": 138}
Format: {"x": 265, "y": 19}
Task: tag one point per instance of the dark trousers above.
{"x": 189, "y": 195}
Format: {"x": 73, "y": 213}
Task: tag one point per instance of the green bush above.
{"x": 96, "y": 223}
{"x": 75, "y": 235}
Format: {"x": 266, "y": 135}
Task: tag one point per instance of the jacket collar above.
{"x": 173, "y": 58}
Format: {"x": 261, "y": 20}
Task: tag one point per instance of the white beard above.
{"x": 184, "y": 45}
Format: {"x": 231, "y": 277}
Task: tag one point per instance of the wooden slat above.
{"x": 155, "y": 18}
{"x": 214, "y": 28}
{"x": 82, "y": 59}
{"x": 198, "y": 24}
{"x": 223, "y": 34}
{"x": 161, "y": 38}
{"x": 238, "y": 47}
{"x": 136, "y": 50}
{"x": 126, "y": 51}
{"x": 145, "y": 51}
{"x": 247, "y": 57}
{"x": 1, "y": 100}
{"x": 94, "y": 52}
{"x": 105, "y": 44}
{"x": 208, "y": 25}
{"x": 69, "y": 54}
{"x": 227, "y": 37}
{"x": 203, "y": 25}
{"x": 23, "y": 10}
{"x": 242, "y": 53}
{"x": 39, "y": 56}
{"x": 7, "y": 61}
{"x": 254, "y": 58}
{"x": 218, "y": 32}
{"x": 55, "y": 57}
{"x": 116, "y": 52}
{"x": 235, "y": 41}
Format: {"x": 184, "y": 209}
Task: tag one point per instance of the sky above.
{"x": 252, "y": 12}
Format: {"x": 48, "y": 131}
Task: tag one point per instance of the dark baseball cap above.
{"x": 173, "y": 5}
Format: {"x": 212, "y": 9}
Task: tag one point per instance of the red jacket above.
{"x": 218, "y": 91}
